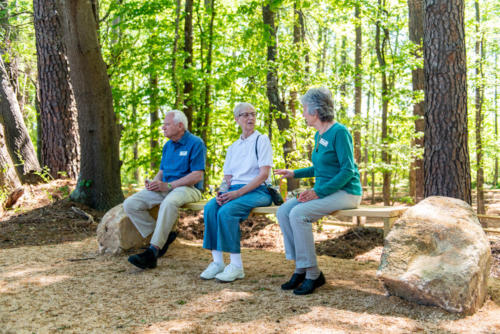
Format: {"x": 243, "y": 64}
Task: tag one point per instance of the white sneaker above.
{"x": 230, "y": 274}
{"x": 213, "y": 269}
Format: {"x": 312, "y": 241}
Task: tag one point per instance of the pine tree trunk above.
{"x": 60, "y": 144}
{"x": 416, "y": 29}
{"x": 175, "y": 82}
{"x": 153, "y": 119}
{"x": 18, "y": 141}
{"x": 479, "y": 117}
{"x": 357, "y": 85}
{"x": 8, "y": 176}
{"x": 188, "y": 62}
{"x": 446, "y": 157}
{"x": 99, "y": 181}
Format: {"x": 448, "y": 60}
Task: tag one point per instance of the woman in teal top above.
{"x": 336, "y": 187}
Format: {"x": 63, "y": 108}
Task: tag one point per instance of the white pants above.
{"x": 137, "y": 206}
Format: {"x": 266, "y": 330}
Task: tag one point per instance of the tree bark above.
{"x": 175, "y": 82}
{"x": 188, "y": 62}
{"x": 380, "y": 46}
{"x": 8, "y": 175}
{"x": 153, "y": 118}
{"x": 416, "y": 29}
{"x": 446, "y": 156}
{"x": 208, "y": 72}
{"x": 99, "y": 183}
{"x": 21, "y": 149}
{"x": 479, "y": 117}
{"x": 60, "y": 144}
{"x": 358, "y": 86}
{"x": 495, "y": 170}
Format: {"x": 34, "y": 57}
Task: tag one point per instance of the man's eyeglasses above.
{"x": 248, "y": 114}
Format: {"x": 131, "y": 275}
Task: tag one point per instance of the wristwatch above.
{"x": 169, "y": 186}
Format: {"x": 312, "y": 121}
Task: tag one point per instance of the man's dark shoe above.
{"x": 294, "y": 281}
{"x": 309, "y": 285}
{"x": 170, "y": 239}
{"x": 144, "y": 260}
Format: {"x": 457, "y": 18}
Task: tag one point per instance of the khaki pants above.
{"x": 137, "y": 206}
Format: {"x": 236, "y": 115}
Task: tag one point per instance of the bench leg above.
{"x": 388, "y": 223}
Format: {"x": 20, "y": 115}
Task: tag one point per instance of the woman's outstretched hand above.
{"x": 307, "y": 196}
{"x": 285, "y": 173}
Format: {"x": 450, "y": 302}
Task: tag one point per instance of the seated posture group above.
{"x": 246, "y": 170}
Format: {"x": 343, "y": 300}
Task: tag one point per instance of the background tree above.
{"x": 446, "y": 157}
{"x": 60, "y": 143}
{"x": 8, "y": 177}
{"x": 99, "y": 183}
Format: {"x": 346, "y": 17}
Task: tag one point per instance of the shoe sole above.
{"x": 221, "y": 281}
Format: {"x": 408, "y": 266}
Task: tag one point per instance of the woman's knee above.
{"x": 299, "y": 216}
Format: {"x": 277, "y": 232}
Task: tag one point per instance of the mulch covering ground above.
{"x": 53, "y": 280}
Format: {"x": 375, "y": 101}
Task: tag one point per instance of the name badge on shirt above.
{"x": 183, "y": 153}
{"x": 323, "y": 142}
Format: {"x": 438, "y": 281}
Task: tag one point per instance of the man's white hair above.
{"x": 179, "y": 117}
{"x": 242, "y": 107}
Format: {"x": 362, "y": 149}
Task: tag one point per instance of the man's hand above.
{"x": 158, "y": 186}
{"x": 307, "y": 196}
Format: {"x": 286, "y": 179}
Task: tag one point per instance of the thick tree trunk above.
{"x": 60, "y": 143}
{"x": 188, "y": 61}
{"x": 153, "y": 119}
{"x": 8, "y": 175}
{"x": 479, "y": 116}
{"x": 18, "y": 141}
{"x": 358, "y": 86}
{"x": 446, "y": 157}
{"x": 495, "y": 170}
{"x": 277, "y": 107}
{"x": 416, "y": 29}
{"x": 99, "y": 181}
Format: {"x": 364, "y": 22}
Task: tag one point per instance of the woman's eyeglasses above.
{"x": 248, "y": 114}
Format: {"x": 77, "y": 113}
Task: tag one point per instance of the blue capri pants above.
{"x": 222, "y": 223}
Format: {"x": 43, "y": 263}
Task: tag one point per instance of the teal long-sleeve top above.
{"x": 333, "y": 163}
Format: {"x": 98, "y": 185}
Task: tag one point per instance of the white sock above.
{"x": 236, "y": 259}
{"x": 217, "y": 255}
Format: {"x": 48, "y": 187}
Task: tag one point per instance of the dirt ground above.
{"x": 53, "y": 280}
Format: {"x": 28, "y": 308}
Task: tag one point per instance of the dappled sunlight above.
{"x": 215, "y": 302}
{"x": 23, "y": 272}
{"x": 14, "y": 280}
{"x": 46, "y": 280}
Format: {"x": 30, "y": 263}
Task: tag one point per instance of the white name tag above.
{"x": 183, "y": 153}
{"x": 323, "y": 142}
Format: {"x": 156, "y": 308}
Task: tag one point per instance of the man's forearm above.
{"x": 189, "y": 180}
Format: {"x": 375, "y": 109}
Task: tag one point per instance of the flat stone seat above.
{"x": 388, "y": 213}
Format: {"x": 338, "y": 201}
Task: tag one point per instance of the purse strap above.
{"x": 257, "y": 155}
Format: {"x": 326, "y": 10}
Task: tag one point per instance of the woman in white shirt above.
{"x": 246, "y": 169}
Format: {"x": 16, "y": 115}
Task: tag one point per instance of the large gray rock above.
{"x": 116, "y": 233}
{"x": 438, "y": 254}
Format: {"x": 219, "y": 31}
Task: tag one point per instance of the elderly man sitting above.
{"x": 178, "y": 182}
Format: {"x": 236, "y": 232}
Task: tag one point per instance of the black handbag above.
{"x": 273, "y": 190}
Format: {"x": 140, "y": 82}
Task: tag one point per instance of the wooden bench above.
{"x": 389, "y": 214}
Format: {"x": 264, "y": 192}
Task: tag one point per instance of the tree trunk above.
{"x": 99, "y": 181}
{"x": 175, "y": 82}
{"x": 21, "y": 149}
{"x": 8, "y": 176}
{"x": 60, "y": 144}
{"x": 495, "y": 171}
{"x": 358, "y": 89}
{"x": 188, "y": 62}
{"x": 446, "y": 157}
{"x": 416, "y": 29}
{"x": 380, "y": 47}
{"x": 208, "y": 72}
{"x": 479, "y": 117}
{"x": 277, "y": 108}
{"x": 153, "y": 118}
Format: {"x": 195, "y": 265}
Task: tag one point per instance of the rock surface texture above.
{"x": 116, "y": 233}
{"x": 438, "y": 254}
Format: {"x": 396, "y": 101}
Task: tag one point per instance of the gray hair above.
{"x": 319, "y": 102}
{"x": 242, "y": 106}
{"x": 179, "y": 117}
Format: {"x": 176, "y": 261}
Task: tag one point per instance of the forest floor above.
{"x": 53, "y": 280}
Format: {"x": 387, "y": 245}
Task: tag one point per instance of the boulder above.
{"x": 116, "y": 233}
{"x": 438, "y": 254}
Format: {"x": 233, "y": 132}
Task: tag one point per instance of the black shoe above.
{"x": 309, "y": 285}
{"x": 294, "y": 281}
{"x": 170, "y": 239}
{"x": 144, "y": 260}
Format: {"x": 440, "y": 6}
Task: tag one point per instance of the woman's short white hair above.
{"x": 179, "y": 117}
{"x": 242, "y": 107}
{"x": 319, "y": 102}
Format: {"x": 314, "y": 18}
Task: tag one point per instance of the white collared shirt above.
{"x": 241, "y": 160}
